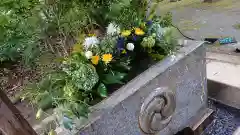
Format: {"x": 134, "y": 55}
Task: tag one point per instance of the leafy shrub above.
{"x": 97, "y": 61}
{"x": 166, "y": 20}
{"x": 20, "y": 30}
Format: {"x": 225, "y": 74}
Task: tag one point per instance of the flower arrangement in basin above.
{"x": 101, "y": 63}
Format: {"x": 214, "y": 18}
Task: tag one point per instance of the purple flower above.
{"x": 134, "y": 37}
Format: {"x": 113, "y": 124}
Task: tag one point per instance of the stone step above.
{"x": 223, "y": 68}
{"x": 223, "y": 73}
{"x": 224, "y": 58}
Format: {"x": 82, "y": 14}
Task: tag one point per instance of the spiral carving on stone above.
{"x": 157, "y": 110}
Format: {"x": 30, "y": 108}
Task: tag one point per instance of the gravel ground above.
{"x": 226, "y": 120}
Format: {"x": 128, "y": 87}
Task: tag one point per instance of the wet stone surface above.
{"x": 226, "y": 120}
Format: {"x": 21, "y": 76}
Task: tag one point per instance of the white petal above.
{"x": 90, "y": 42}
{"x": 113, "y": 29}
{"x": 88, "y": 54}
{"x": 130, "y": 46}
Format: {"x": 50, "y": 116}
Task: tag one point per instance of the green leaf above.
{"x": 67, "y": 123}
{"x": 80, "y": 110}
{"x": 123, "y": 64}
{"x": 39, "y": 113}
{"x": 102, "y": 90}
{"x": 52, "y": 132}
{"x": 46, "y": 101}
{"x": 157, "y": 56}
{"x": 114, "y": 78}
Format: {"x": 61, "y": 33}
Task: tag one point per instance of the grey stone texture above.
{"x": 184, "y": 73}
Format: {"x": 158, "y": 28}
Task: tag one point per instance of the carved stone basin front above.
{"x": 159, "y": 101}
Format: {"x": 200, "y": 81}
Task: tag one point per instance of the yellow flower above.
{"x": 107, "y": 58}
{"x": 139, "y": 32}
{"x": 126, "y": 33}
{"x": 95, "y": 59}
{"x": 91, "y": 35}
{"x": 124, "y": 51}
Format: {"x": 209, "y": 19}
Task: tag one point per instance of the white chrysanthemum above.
{"x": 130, "y": 46}
{"x": 88, "y": 54}
{"x": 90, "y": 42}
{"x": 113, "y": 29}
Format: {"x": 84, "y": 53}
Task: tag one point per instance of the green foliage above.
{"x": 165, "y": 38}
{"x": 168, "y": 42}
{"x": 64, "y": 17}
{"x": 20, "y": 30}
{"x": 83, "y": 75}
{"x": 81, "y": 81}
{"x": 114, "y": 78}
{"x": 27, "y": 25}
{"x": 149, "y": 42}
{"x": 75, "y": 86}
{"x": 166, "y": 20}
{"x": 108, "y": 44}
{"x": 102, "y": 90}
{"x": 124, "y": 13}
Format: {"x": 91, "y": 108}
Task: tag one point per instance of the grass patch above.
{"x": 166, "y": 6}
{"x": 189, "y": 25}
{"x": 237, "y": 26}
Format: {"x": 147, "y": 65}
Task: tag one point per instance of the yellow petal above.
{"x": 126, "y": 33}
{"x": 95, "y": 60}
{"x": 124, "y": 51}
{"x": 107, "y": 58}
{"x": 139, "y": 31}
{"x": 39, "y": 113}
{"x": 92, "y": 35}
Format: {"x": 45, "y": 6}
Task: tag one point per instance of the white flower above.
{"x": 130, "y": 46}
{"x": 113, "y": 29}
{"x": 173, "y": 57}
{"x": 90, "y": 42}
{"x": 88, "y": 54}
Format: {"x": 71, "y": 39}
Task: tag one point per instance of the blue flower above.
{"x": 120, "y": 43}
{"x": 149, "y": 22}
